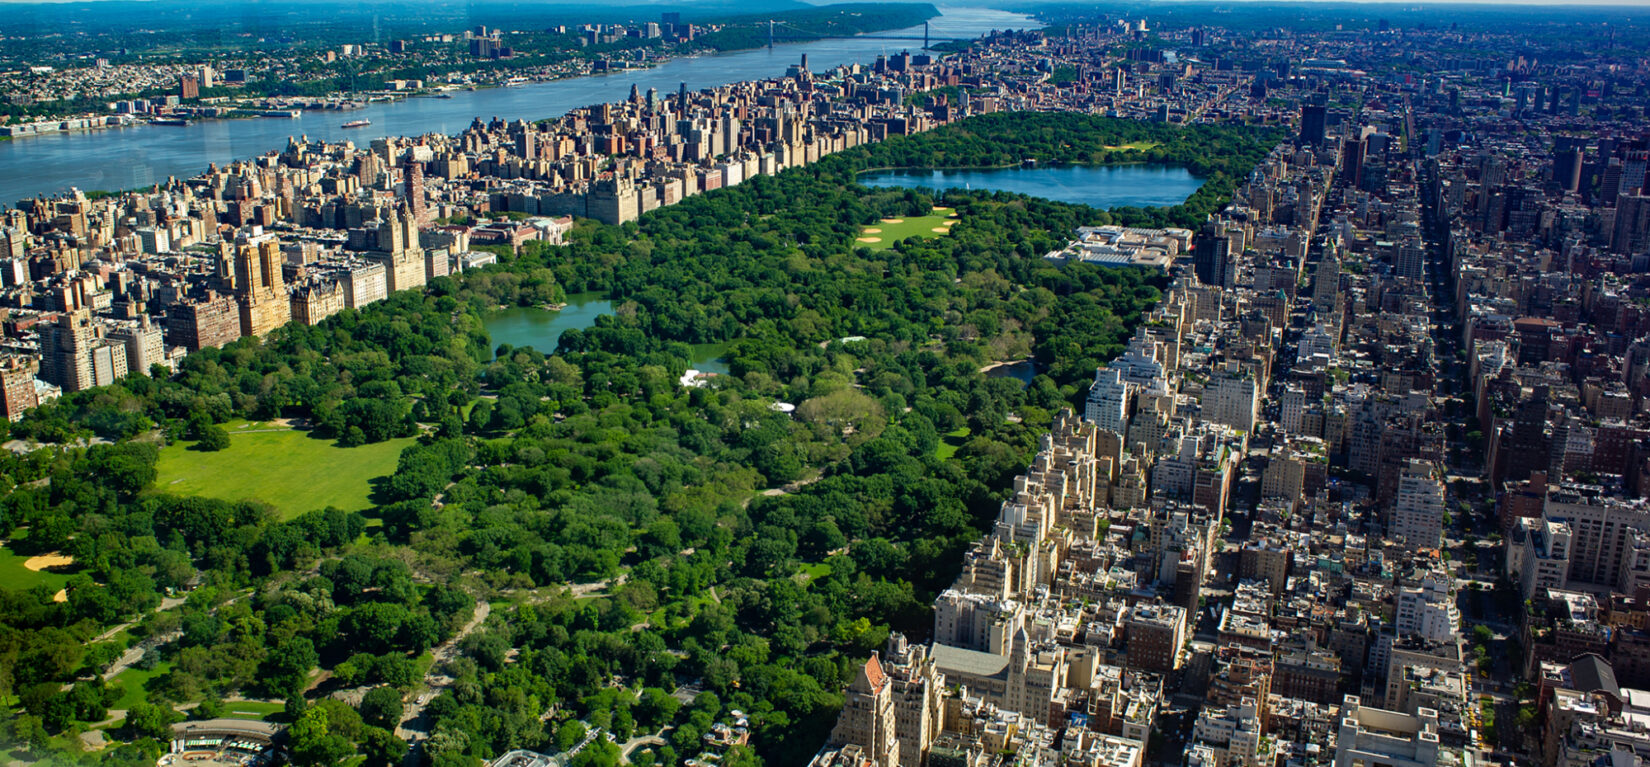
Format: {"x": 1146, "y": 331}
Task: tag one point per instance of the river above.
{"x": 138, "y": 156}
{"x": 1102, "y": 186}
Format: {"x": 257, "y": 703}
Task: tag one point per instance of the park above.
{"x": 288, "y": 468}
{"x": 883, "y": 234}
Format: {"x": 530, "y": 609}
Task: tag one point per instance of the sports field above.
{"x": 23, "y": 571}
{"x": 888, "y": 231}
{"x": 283, "y": 467}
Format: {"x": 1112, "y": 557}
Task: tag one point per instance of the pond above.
{"x": 1023, "y": 371}
{"x": 541, "y": 329}
{"x": 1102, "y": 186}
{"x": 521, "y": 326}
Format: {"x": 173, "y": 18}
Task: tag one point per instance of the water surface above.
{"x": 1102, "y": 186}
{"x": 139, "y": 156}
{"x": 541, "y": 329}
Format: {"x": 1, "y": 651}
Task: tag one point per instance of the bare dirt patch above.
{"x": 43, "y": 561}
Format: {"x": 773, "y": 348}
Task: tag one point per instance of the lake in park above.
{"x": 541, "y": 329}
{"x": 1102, "y": 186}
{"x": 1023, "y": 371}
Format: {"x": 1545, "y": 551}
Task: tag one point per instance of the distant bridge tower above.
{"x": 770, "y": 34}
{"x": 925, "y": 35}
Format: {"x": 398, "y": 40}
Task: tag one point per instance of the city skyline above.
{"x": 867, "y": 385}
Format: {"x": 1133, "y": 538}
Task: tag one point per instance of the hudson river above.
{"x": 139, "y": 156}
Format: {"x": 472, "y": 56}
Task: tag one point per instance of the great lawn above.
{"x": 286, "y": 468}
{"x": 888, "y": 231}
{"x": 1140, "y": 145}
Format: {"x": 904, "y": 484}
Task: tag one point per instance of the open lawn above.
{"x": 252, "y": 709}
{"x": 131, "y": 682}
{"x": 815, "y": 571}
{"x": 951, "y": 442}
{"x": 885, "y": 233}
{"x": 1140, "y": 145}
{"x": 14, "y": 575}
{"x": 285, "y": 468}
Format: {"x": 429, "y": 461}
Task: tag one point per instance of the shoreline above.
{"x": 651, "y": 61}
{"x": 842, "y": 51}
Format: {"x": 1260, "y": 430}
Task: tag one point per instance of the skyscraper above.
{"x": 1314, "y": 124}
{"x": 1353, "y": 153}
{"x": 17, "y": 392}
{"x": 1418, "y": 516}
{"x": 260, "y": 288}
{"x": 1631, "y": 235}
{"x": 415, "y": 189}
{"x": 65, "y": 346}
{"x": 867, "y": 718}
{"x": 1567, "y": 159}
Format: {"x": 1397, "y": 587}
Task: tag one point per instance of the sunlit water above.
{"x": 139, "y": 156}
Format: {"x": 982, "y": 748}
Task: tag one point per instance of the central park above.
{"x": 622, "y": 534}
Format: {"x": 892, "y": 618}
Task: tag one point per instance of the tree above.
{"x": 210, "y": 708}
{"x": 381, "y": 707}
{"x": 656, "y": 708}
{"x": 600, "y": 753}
{"x": 382, "y": 748}
{"x": 287, "y": 667}
{"x": 147, "y": 720}
{"x": 568, "y": 735}
{"x": 1482, "y": 634}
{"x": 312, "y": 739}
{"x": 28, "y": 730}
{"x": 212, "y": 439}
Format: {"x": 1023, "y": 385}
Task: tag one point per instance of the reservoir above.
{"x": 1102, "y": 186}
{"x": 541, "y": 329}
{"x": 117, "y": 159}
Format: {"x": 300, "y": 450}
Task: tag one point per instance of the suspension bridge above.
{"x": 780, "y": 32}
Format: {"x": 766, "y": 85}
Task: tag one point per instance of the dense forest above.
{"x": 749, "y": 555}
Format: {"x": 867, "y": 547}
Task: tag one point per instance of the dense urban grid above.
{"x": 1341, "y": 461}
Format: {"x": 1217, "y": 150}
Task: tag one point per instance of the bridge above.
{"x": 779, "y": 31}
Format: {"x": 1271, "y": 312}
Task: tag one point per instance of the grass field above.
{"x": 1140, "y": 145}
{"x": 885, "y": 233}
{"x": 13, "y": 575}
{"x": 287, "y": 469}
{"x": 950, "y": 442}
{"x": 816, "y": 570}
{"x": 252, "y": 709}
{"x": 131, "y": 683}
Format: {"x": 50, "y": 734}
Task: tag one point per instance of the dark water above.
{"x": 1102, "y": 186}
{"x": 541, "y": 329}
{"x": 1022, "y": 371}
{"x": 139, "y": 156}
